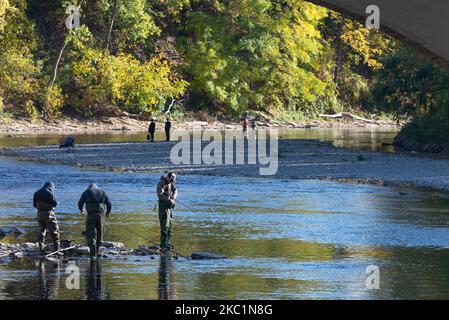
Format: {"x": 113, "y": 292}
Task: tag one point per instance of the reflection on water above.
{"x": 166, "y": 285}
{"x": 94, "y": 287}
{"x": 285, "y": 239}
{"x": 363, "y": 138}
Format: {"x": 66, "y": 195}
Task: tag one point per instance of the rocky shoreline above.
{"x": 298, "y": 159}
{"x": 71, "y": 249}
{"x": 75, "y": 125}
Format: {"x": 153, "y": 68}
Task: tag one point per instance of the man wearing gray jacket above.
{"x": 97, "y": 206}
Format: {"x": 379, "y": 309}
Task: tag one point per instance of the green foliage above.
{"x": 266, "y": 59}
{"x": 135, "y": 87}
{"x": 412, "y": 86}
{"x": 19, "y": 72}
{"x": 4, "y": 5}
{"x": 30, "y": 110}
{"x": 52, "y": 101}
{"x": 430, "y": 128}
{"x": 286, "y": 58}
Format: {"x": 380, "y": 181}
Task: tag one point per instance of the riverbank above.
{"x": 298, "y": 159}
{"x": 79, "y": 125}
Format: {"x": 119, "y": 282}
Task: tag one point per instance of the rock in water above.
{"x": 2, "y": 234}
{"x": 17, "y": 231}
{"x": 206, "y": 256}
{"x": 143, "y": 250}
{"x": 110, "y": 244}
{"x": 82, "y": 251}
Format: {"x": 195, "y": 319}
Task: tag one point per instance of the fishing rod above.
{"x": 178, "y": 201}
{"x": 151, "y": 241}
{"x": 185, "y": 205}
{"x": 62, "y": 250}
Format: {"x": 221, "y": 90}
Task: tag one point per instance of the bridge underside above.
{"x": 421, "y": 23}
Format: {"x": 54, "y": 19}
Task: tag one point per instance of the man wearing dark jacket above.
{"x": 167, "y": 130}
{"x": 45, "y": 202}
{"x": 151, "y": 130}
{"x": 97, "y": 207}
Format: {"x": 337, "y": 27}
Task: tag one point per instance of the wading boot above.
{"x": 57, "y": 247}
{"x": 93, "y": 251}
{"x": 42, "y": 247}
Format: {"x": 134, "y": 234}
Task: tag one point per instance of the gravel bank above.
{"x": 298, "y": 159}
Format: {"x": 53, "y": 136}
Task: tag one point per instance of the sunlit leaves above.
{"x": 266, "y": 59}
{"x": 125, "y": 82}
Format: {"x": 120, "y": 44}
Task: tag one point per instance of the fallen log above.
{"x": 348, "y": 115}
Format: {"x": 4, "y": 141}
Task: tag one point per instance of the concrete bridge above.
{"x": 424, "y": 24}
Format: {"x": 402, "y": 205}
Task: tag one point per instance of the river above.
{"x": 284, "y": 239}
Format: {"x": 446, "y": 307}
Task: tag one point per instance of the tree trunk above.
{"x": 56, "y": 65}
{"x": 338, "y": 59}
{"x": 59, "y": 57}
{"x": 111, "y": 25}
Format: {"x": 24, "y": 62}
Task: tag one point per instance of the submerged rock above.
{"x": 111, "y": 244}
{"x": 144, "y": 250}
{"x": 16, "y": 231}
{"x": 31, "y": 250}
{"x": 206, "y": 256}
{"x": 82, "y": 250}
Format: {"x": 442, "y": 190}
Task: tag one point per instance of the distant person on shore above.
{"x": 97, "y": 206}
{"x": 254, "y": 124}
{"x": 69, "y": 142}
{"x": 167, "y": 129}
{"x": 151, "y": 130}
{"x": 44, "y": 201}
{"x": 245, "y": 127}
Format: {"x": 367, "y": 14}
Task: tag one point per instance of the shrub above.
{"x": 30, "y": 110}
{"x": 103, "y": 79}
{"x": 52, "y": 101}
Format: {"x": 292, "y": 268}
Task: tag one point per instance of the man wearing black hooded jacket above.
{"x": 44, "y": 201}
{"x": 97, "y": 206}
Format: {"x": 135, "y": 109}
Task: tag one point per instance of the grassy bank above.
{"x": 428, "y": 134}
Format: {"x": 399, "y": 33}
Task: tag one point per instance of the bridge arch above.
{"x": 423, "y": 24}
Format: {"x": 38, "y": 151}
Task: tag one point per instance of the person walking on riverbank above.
{"x": 167, "y": 129}
{"x": 44, "y": 201}
{"x": 245, "y": 127}
{"x": 166, "y": 204}
{"x": 97, "y": 206}
{"x": 151, "y": 130}
{"x": 254, "y": 124}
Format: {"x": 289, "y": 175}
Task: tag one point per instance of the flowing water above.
{"x": 284, "y": 239}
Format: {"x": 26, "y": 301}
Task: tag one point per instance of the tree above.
{"x": 266, "y": 59}
{"x": 4, "y": 5}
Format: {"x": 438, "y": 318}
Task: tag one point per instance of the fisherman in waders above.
{"x": 174, "y": 190}
{"x": 97, "y": 207}
{"x": 166, "y": 204}
{"x": 44, "y": 201}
